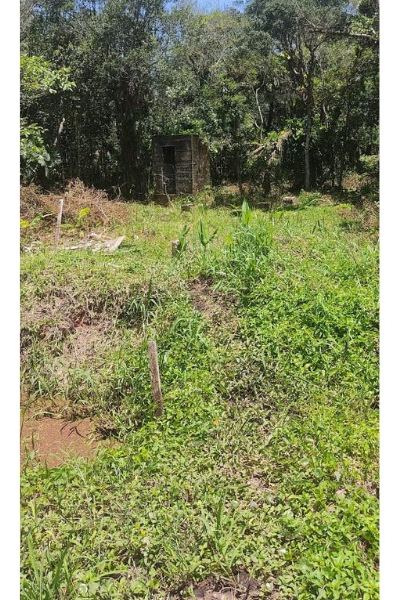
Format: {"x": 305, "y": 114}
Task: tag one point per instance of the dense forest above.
{"x": 284, "y": 91}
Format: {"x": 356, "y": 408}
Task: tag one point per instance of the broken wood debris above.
{"x": 96, "y": 244}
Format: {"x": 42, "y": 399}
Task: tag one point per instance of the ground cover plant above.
{"x": 260, "y": 479}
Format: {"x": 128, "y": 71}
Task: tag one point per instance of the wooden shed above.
{"x": 181, "y": 166}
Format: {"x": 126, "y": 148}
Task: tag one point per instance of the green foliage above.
{"x": 309, "y": 199}
{"x": 81, "y": 217}
{"x": 266, "y": 455}
{"x": 204, "y": 238}
{"x": 370, "y": 164}
{"x": 233, "y": 78}
{"x": 246, "y": 214}
{"x": 34, "y": 154}
{"x": 183, "y": 239}
{"x": 52, "y": 579}
{"x": 265, "y": 458}
{"x": 36, "y": 221}
{"x": 38, "y": 80}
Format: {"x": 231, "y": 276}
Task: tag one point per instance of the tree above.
{"x": 300, "y": 28}
{"x": 287, "y": 92}
{"x": 110, "y": 48}
{"x": 38, "y": 82}
{"x": 212, "y": 80}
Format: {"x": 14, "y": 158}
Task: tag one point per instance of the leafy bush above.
{"x": 34, "y": 154}
{"x": 370, "y": 164}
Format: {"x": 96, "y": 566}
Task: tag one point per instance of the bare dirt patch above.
{"x": 52, "y": 441}
{"x": 214, "y": 306}
{"x": 76, "y": 332}
{"x": 85, "y": 344}
{"x": 52, "y": 320}
{"x": 257, "y": 483}
{"x": 239, "y": 587}
{"x": 84, "y": 348}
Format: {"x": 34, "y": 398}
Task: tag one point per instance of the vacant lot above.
{"x": 261, "y": 477}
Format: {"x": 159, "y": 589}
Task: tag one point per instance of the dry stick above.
{"x": 155, "y": 377}
{"x": 59, "y": 221}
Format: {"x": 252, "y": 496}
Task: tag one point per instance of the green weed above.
{"x": 266, "y": 456}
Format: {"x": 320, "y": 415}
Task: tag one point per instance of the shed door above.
{"x": 169, "y": 168}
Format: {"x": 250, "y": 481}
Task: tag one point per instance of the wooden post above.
{"x": 59, "y": 221}
{"x": 155, "y": 377}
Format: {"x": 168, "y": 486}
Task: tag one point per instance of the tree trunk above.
{"x": 78, "y": 146}
{"x": 266, "y": 183}
{"x": 239, "y": 176}
{"x": 308, "y": 133}
{"x": 238, "y": 169}
{"x": 270, "y": 117}
{"x": 340, "y": 174}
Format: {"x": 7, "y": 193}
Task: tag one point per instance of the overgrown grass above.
{"x": 265, "y": 458}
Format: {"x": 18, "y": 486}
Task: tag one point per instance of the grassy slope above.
{"x": 266, "y": 456}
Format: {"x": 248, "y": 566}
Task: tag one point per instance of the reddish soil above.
{"x": 54, "y": 441}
